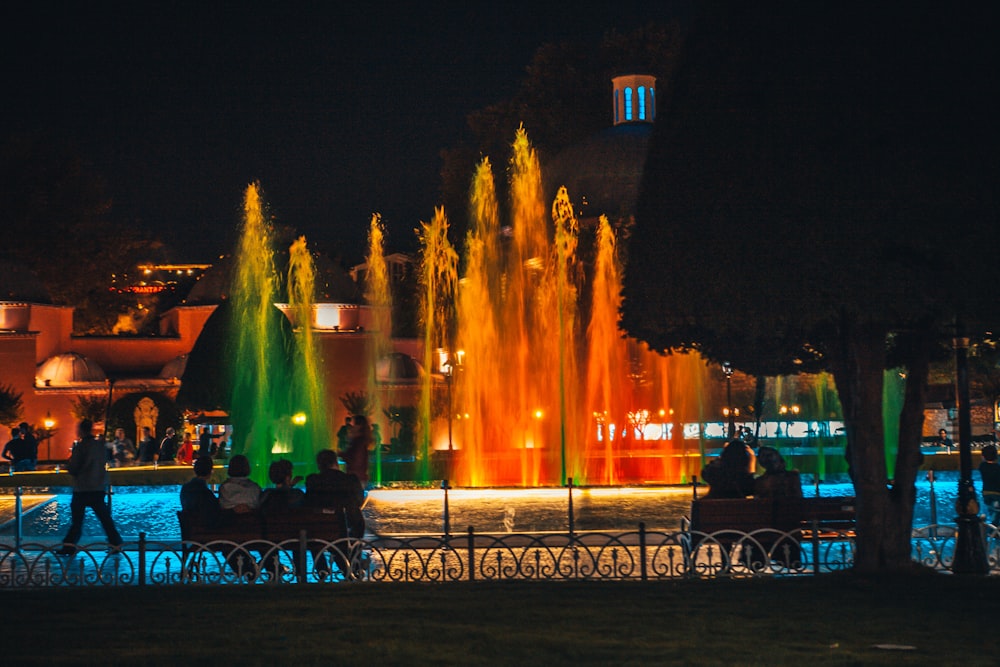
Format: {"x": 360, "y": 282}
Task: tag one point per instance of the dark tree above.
{"x": 563, "y": 98}
{"x": 819, "y": 194}
{"x": 58, "y": 223}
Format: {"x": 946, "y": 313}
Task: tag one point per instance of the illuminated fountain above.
{"x": 278, "y": 403}
{"x": 541, "y": 386}
{"x": 378, "y": 296}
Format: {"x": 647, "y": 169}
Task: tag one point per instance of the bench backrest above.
{"x": 709, "y": 515}
{"x": 319, "y": 523}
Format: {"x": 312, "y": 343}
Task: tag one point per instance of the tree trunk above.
{"x": 885, "y": 511}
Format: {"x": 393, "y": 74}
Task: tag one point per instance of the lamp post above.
{"x": 447, "y": 382}
{"x": 970, "y": 551}
{"x": 727, "y": 368}
{"x": 453, "y": 366}
{"x": 49, "y": 423}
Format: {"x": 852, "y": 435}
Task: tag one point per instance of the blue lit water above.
{"x": 153, "y": 510}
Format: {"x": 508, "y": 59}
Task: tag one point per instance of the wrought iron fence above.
{"x": 621, "y": 556}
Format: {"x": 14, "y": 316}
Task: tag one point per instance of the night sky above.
{"x": 338, "y": 112}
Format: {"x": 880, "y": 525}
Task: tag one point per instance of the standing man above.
{"x": 206, "y": 442}
{"x": 168, "y": 447}
{"x": 147, "y": 446}
{"x": 90, "y": 479}
{"x": 18, "y": 452}
{"x": 31, "y": 443}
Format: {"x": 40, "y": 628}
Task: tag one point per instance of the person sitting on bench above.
{"x": 729, "y": 475}
{"x": 776, "y": 482}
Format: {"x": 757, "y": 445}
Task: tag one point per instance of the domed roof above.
{"x": 67, "y": 369}
{"x": 397, "y": 368}
{"x": 19, "y": 284}
{"x": 333, "y": 284}
{"x": 602, "y": 173}
{"x": 174, "y": 368}
{"x": 212, "y": 286}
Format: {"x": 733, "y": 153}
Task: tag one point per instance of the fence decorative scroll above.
{"x": 620, "y": 556}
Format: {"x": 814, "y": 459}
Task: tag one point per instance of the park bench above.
{"x": 829, "y": 515}
{"x": 804, "y": 518}
{"x": 312, "y": 527}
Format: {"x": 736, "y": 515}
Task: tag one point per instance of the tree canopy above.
{"x": 818, "y": 194}
{"x": 563, "y": 98}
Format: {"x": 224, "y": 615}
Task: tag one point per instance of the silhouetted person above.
{"x": 776, "y": 482}
{"x": 31, "y": 443}
{"x": 147, "y": 446}
{"x": 87, "y": 465}
{"x": 168, "y": 447}
{"x": 206, "y": 442}
{"x": 196, "y": 497}
{"x": 17, "y": 452}
{"x": 332, "y": 488}
{"x": 276, "y": 502}
{"x": 729, "y": 476}
{"x": 283, "y": 495}
{"x": 356, "y": 455}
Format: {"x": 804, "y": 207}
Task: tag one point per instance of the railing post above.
{"x": 933, "y": 501}
{"x": 447, "y": 515}
{"x": 642, "y": 550}
{"x": 18, "y": 516}
{"x": 815, "y": 545}
{"x": 142, "y": 559}
{"x": 569, "y": 486}
{"x": 472, "y": 553}
{"x": 300, "y": 558}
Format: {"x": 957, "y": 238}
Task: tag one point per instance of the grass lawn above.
{"x": 832, "y": 620}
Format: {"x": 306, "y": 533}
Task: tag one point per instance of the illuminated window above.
{"x": 642, "y": 103}
{"x": 628, "y": 104}
{"x": 652, "y": 103}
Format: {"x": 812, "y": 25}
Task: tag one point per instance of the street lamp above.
{"x": 50, "y": 424}
{"x": 727, "y": 368}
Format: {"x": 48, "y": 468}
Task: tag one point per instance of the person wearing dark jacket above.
{"x": 168, "y": 448}
{"x": 333, "y": 488}
{"x": 90, "y": 479}
{"x": 196, "y": 497}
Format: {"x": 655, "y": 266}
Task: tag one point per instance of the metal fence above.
{"x": 639, "y": 555}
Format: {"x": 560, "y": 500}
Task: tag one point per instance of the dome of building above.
{"x": 333, "y": 283}
{"x": 21, "y": 285}
{"x": 212, "y": 286}
{"x": 174, "y": 368}
{"x": 68, "y": 369}
{"x": 398, "y": 368}
{"x": 602, "y": 173}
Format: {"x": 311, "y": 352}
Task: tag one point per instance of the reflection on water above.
{"x": 154, "y": 510}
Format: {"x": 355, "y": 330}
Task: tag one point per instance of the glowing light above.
{"x": 299, "y": 418}
{"x": 539, "y": 414}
